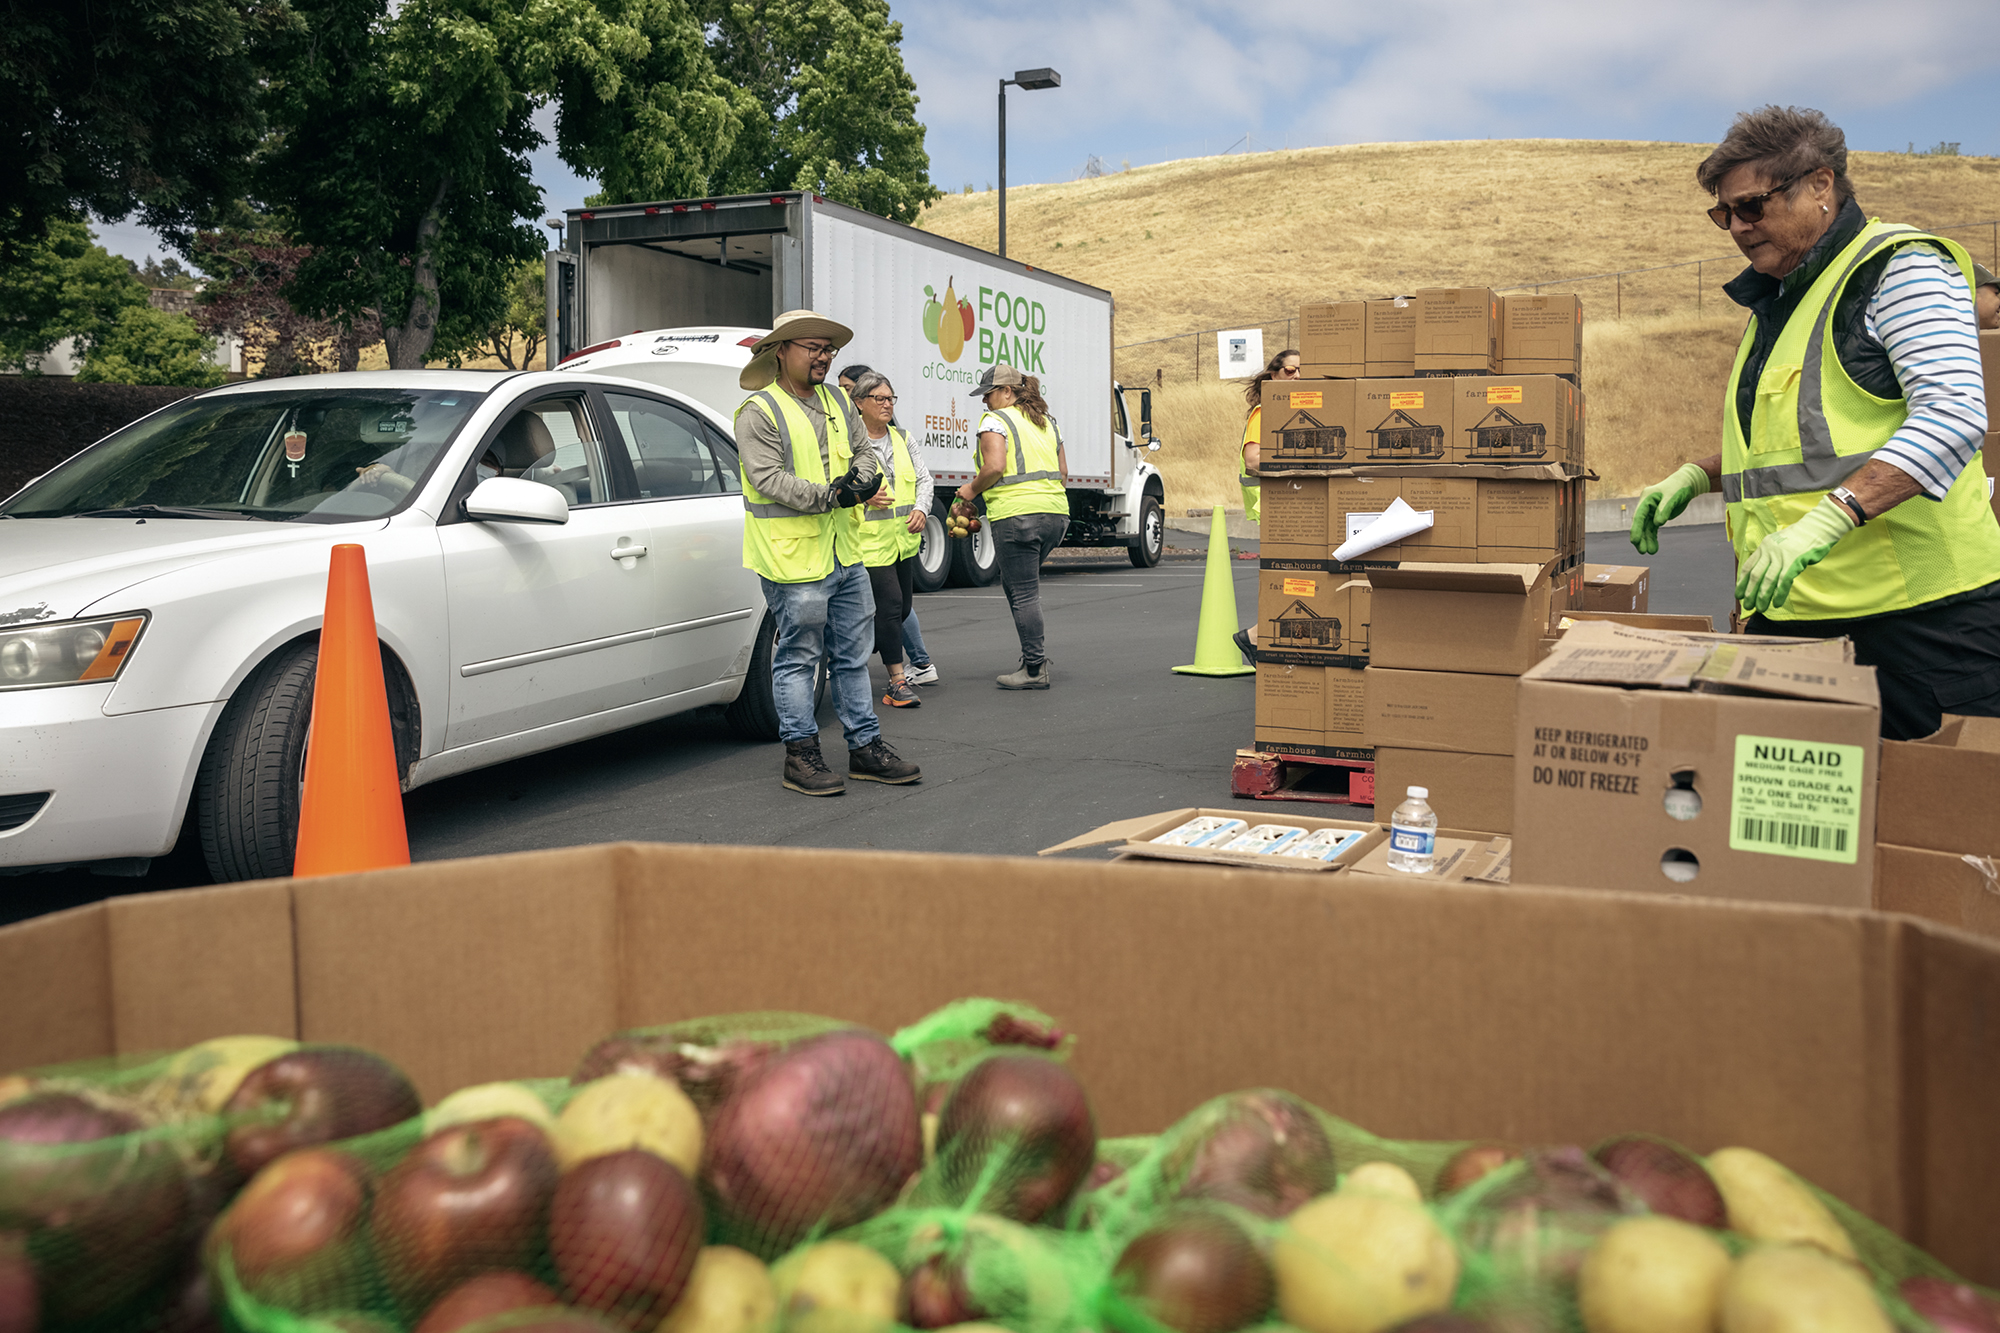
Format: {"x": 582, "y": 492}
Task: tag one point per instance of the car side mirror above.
{"x": 515, "y": 500}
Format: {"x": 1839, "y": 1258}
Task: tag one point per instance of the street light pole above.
{"x": 1028, "y": 80}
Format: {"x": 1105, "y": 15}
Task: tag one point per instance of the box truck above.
{"x": 674, "y": 292}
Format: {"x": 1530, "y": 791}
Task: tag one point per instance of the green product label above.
{"x": 1794, "y": 798}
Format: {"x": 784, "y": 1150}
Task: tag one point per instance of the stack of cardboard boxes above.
{"x": 1465, "y": 405}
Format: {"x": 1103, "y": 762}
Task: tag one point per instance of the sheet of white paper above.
{"x": 1391, "y": 525}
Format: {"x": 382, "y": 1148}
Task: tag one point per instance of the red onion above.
{"x": 1672, "y": 1183}
{"x": 625, "y": 1229}
{"x": 1263, "y": 1151}
{"x": 1951, "y": 1307}
{"x": 1197, "y": 1273}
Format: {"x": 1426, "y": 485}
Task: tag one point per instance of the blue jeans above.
{"x": 836, "y": 612}
{"x": 913, "y": 641}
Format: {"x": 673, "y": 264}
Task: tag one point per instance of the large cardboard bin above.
{"x": 1857, "y": 1048}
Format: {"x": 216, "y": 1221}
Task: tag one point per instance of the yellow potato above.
{"x": 1767, "y": 1202}
{"x": 490, "y": 1101}
{"x": 1358, "y": 1262}
{"x": 1652, "y": 1275}
{"x": 1382, "y": 1178}
{"x": 629, "y": 1110}
{"x": 1799, "y": 1289}
{"x": 730, "y": 1291}
{"x": 201, "y": 1079}
{"x": 836, "y": 1286}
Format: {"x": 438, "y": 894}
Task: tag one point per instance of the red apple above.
{"x": 20, "y": 1296}
{"x": 1196, "y": 1272}
{"x": 935, "y": 1295}
{"x": 823, "y": 1135}
{"x": 1264, "y": 1151}
{"x": 625, "y": 1229}
{"x": 295, "y": 1236}
{"x": 469, "y": 1198}
{"x": 319, "y": 1094}
{"x": 483, "y": 1297}
{"x": 103, "y": 1208}
{"x": 1669, "y": 1181}
{"x": 1473, "y": 1163}
{"x": 1031, "y": 1110}
{"x": 1951, "y": 1307}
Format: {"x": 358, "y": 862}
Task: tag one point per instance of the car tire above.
{"x": 754, "y": 713}
{"x": 933, "y": 557}
{"x": 1145, "y": 552}
{"x": 975, "y": 560}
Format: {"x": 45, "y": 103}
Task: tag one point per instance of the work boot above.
{"x": 1025, "y": 677}
{"x": 806, "y": 772}
{"x": 876, "y": 762}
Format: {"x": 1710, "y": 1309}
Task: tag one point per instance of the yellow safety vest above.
{"x": 1811, "y": 429}
{"x": 1032, "y": 483}
{"x": 787, "y": 545}
{"x": 1253, "y": 431}
{"x": 885, "y": 533}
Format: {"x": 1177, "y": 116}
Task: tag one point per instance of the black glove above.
{"x": 850, "y": 491}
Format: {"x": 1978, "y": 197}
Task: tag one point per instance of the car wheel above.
{"x": 975, "y": 560}
{"x": 754, "y": 714}
{"x": 933, "y": 557}
{"x": 1152, "y": 541}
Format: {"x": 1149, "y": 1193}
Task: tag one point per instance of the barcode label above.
{"x": 1816, "y": 837}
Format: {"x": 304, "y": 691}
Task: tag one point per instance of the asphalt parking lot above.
{"x": 1119, "y": 735}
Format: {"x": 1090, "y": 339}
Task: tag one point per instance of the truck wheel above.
{"x": 754, "y": 713}
{"x": 933, "y": 557}
{"x": 1145, "y": 552}
{"x": 975, "y": 560}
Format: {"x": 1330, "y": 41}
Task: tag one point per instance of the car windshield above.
{"x": 319, "y": 455}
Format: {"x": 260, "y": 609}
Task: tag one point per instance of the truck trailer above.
{"x": 643, "y": 290}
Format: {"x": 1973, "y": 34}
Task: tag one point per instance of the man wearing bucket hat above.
{"x": 806, "y": 466}
{"x": 1022, "y": 469}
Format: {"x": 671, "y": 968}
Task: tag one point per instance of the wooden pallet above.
{"x": 1302, "y": 777}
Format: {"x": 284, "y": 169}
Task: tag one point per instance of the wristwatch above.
{"x": 1848, "y": 498}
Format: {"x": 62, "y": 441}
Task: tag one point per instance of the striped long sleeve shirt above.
{"x": 1922, "y": 315}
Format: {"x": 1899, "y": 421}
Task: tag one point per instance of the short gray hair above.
{"x": 870, "y": 381}
{"x": 1786, "y": 142}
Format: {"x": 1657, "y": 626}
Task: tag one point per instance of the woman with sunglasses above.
{"x": 892, "y": 527}
{"x": 1283, "y": 366}
{"x": 1851, "y": 428}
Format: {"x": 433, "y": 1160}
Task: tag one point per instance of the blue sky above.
{"x": 1152, "y": 80}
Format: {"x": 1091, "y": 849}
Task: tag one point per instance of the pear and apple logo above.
{"x": 948, "y": 323}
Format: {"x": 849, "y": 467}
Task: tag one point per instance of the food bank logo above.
{"x": 948, "y": 323}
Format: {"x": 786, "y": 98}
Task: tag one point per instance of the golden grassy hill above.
{"x": 1234, "y": 241}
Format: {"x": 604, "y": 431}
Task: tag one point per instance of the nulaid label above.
{"x": 1796, "y": 798}
{"x": 1504, "y": 393}
{"x": 1407, "y": 399}
{"x": 1308, "y": 398}
{"x": 1301, "y": 587}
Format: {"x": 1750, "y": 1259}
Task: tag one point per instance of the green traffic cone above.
{"x": 1214, "y": 650}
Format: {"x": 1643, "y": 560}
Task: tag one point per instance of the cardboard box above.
{"x": 1959, "y": 890}
{"x": 1313, "y": 710}
{"x": 1307, "y": 425}
{"x": 1488, "y": 619}
{"x": 1989, "y": 365}
{"x": 1441, "y": 710}
{"x": 1615, "y": 588}
{"x": 1133, "y": 839}
{"x": 1639, "y": 620}
{"x": 1541, "y": 335}
{"x": 1292, "y": 523}
{"x": 1854, "y": 1047}
{"x": 1939, "y": 793}
{"x": 1464, "y": 788}
{"x": 1333, "y": 340}
{"x": 1696, "y": 764}
{"x": 1311, "y": 614}
{"x": 1391, "y": 337}
{"x": 1462, "y": 857}
{"x": 1402, "y": 421}
{"x": 1511, "y": 419}
{"x": 1458, "y": 331}
{"x": 1524, "y": 522}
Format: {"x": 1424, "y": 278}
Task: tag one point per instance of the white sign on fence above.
{"x": 1240, "y": 352}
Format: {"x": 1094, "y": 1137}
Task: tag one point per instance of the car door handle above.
{"x": 627, "y": 552}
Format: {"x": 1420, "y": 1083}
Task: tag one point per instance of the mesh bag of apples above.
{"x": 782, "y": 1173}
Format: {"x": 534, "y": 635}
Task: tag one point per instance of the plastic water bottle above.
{"x": 1413, "y": 832}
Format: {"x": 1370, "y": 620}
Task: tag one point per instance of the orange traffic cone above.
{"x": 351, "y": 814}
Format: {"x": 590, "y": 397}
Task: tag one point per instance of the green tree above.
{"x": 527, "y": 316}
{"x": 62, "y": 286}
{"x": 148, "y": 346}
{"x": 117, "y": 105}
{"x": 833, "y": 109}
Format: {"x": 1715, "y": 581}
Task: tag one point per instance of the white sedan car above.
{"x": 552, "y": 556}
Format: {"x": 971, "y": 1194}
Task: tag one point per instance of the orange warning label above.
{"x": 1308, "y": 399}
{"x": 1407, "y": 399}
{"x": 1301, "y": 587}
{"x": 1504, "y": 393}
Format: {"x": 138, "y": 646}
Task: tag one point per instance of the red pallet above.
{"x": 1302, "y": 777}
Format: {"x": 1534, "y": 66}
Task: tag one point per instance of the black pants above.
{"x": 1025, "y": 541}
{"x": 1929, "y": 661}
{"x": 893, "y": 586}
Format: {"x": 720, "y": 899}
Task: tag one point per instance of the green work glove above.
{"x": 1766, "y": 579}
{"x": 1662, "y": 502}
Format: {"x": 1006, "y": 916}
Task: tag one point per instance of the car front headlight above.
{"x": 73, "y": 653}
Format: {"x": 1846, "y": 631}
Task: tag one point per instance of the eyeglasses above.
{"x": 818, "y": 351}
{"x": 1751, "y": 209}
{"x": 888, "y": 398}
